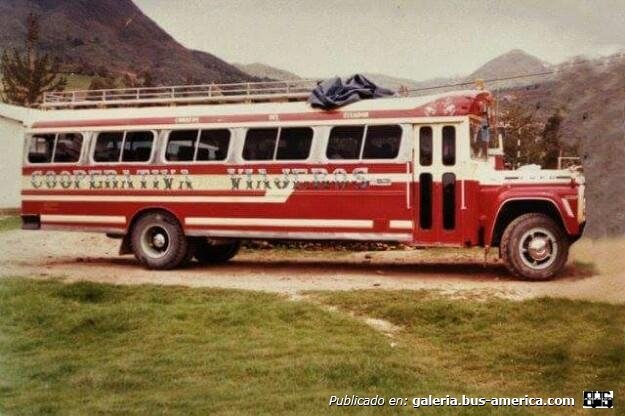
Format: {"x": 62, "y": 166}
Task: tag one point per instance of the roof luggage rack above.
{"x": 244, "y": 92}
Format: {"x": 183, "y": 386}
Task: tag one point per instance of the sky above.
{"x": 405, "y": 38}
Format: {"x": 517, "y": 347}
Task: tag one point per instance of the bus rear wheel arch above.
{"x": 158, "y": 241}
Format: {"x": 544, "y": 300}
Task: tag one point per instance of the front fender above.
{"x": 557, "y": 198}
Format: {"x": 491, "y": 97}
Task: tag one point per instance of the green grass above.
{"x": 10, "y": 223}
{"x": 88, "y": 348}
{"x": 546, "y": 347}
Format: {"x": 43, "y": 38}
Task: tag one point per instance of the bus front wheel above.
{"x": 158, "y": 241}
{"x": 534, "y": 247}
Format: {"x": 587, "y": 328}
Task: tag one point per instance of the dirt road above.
{"x": 76, "y": 256}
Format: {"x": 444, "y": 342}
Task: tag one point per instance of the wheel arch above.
{"x": 512, "y": 208}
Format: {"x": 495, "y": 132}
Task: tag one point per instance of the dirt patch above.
{"x": 383, "y": 326}
{"x": 595, "y": 272}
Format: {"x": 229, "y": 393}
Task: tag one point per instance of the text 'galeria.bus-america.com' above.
{"x": 176, "y": 182}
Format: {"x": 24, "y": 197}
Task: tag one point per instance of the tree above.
{"x": 102, "y": 83}
{"x": 527, "y": 141}
{"x": 128, "y": 81}
{"x": 132, "y": 81}
{"x": 552, "y": 147}
{"x": 26, "y": 78}
{"x": 521, "y": 137}
{"x": 148, "y": 80}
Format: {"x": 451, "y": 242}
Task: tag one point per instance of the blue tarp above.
{"x": 333, "y": 92}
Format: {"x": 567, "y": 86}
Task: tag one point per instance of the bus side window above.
{"x": 68, "y": 148}
{"x": 449, "y": 145}
{"x": 181, "y": 145}
{"x": 108, "y": 146}
{"x": 138, "y": 146}
{"x": 294, "y": 143}
{"x": 345, "y": 142}
{"x": 382, "y": 142}
{"x": 213, "y": 145}
{"x": 260, "y": 144}
{"x": 425, "y": 146}
{"x": 40, "y": 148}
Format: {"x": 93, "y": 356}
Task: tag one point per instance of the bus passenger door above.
{"x": 437, "y": 205}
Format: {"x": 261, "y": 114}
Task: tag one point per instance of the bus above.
{"x": 182, "y": 173}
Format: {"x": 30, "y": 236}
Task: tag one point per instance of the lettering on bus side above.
{"x": 299, "y": 178}
{"x": 97, "y": 179}
{"x": 181, "y": 180}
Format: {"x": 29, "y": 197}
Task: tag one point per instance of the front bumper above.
{"x": 574, "y": 238}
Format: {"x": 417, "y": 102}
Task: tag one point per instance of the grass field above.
{"x": 97, "y": 349}
{"x": 10, "y": 223}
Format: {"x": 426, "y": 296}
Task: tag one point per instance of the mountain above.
{"x": 111, "y": 38}
{"x": 590, "y": 96}
{"x": 265, "y": 71}
{"x": 510, "y": 64}
{"x": 387, "y": 81}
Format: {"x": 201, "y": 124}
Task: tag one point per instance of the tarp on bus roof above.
{"x": 333, "y": 92}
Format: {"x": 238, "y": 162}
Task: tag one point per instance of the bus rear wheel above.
{"x": 208, "y": 253}
{"x": 158, "y": 241}
{"x": 534, "y": 247}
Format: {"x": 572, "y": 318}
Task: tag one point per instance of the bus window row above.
{"x": 353, "y": 143}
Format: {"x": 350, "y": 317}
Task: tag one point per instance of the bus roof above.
{"x": 455, "y": 103}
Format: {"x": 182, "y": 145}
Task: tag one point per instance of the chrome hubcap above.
{"x": 155, "y": 241}
{"x": 538, "y": 248}
{"x": 158, "y": 240}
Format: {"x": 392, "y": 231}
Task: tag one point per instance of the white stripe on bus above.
{"x": 108, "y": 219}
{"x": 310, "y": 235}
{"x": 401, "y": 224}
{"x": 279, "y": 222}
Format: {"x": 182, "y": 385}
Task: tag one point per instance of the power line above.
{"x": 460, "y": 84}
{"x": 513, "y": 77}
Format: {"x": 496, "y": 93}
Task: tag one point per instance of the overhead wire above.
{"x": 560, "y": 68}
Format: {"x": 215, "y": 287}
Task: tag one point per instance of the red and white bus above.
{"x": 183, "y": 181}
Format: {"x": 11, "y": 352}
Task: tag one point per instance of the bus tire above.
{"x": 534, "y": 247}
{"x": 207, "y": 253}
{"x": 158, "y": 241}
